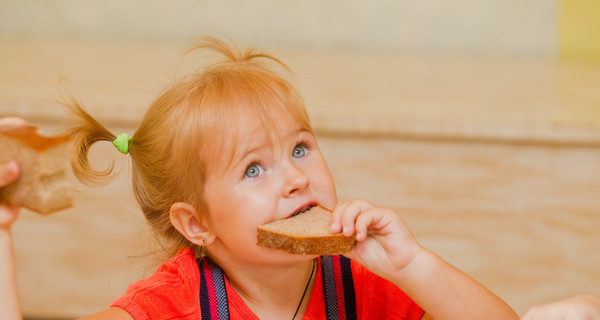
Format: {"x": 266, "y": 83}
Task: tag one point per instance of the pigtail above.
{"x": 84, "y": 132}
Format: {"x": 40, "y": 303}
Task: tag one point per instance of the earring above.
{"x": 203, "y": 240}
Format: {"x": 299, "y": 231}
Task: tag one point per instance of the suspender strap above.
{"x": 340, "y": 299}
{"x": 338, "y": 286}
{"x": 213, "y": 294}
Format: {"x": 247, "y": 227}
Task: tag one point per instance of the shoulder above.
{"x": 377, "y": 296}
{"x": 172, "y": 289}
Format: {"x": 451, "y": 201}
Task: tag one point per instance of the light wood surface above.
{"x": 522, "y": 220}
{"x": 494, "y": 164}
{"x": 387, "y": 94}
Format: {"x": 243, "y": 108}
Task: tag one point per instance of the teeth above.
{"x": 302, "y": 211}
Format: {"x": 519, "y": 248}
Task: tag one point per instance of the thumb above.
{"x": 9, "y": 172}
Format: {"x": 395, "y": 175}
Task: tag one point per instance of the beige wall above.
{"x": 471, "y": 27}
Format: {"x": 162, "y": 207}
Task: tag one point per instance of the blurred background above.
{"x": 478, "y": 121}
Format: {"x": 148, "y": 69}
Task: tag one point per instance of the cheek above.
{"x": 332, "y": 193}
{"x": 253, "y": 202}
{"x": 324, "y": 182}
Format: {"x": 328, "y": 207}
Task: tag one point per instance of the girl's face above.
{"x": 269, "y": 178}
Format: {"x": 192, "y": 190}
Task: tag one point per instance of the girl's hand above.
{"x": 9, "y": 293}
{"x": 384, "y": 245}
{"x": 575, "y": 308}
{"x": 9, "y": 172}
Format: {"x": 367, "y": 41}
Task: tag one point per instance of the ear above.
{"x": 186, "y": 219}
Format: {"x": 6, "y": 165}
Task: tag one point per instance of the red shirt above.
{"x": 172, "y": 293}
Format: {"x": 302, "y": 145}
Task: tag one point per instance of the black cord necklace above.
{"x": 305, "y": 289}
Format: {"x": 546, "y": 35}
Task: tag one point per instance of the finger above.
{"x": 538, "y": 313}
{"x": 528, "y": 315}
{"x": 336, "y": 217}
{"x": 366, "y": 219}
{"x": 351, "y": 213}
{"x": 9, "y": 172}
{"x": 8, "y": 215}
{"x": 12, "y": 121}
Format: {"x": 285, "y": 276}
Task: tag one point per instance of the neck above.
{"x": 273, "y": 293}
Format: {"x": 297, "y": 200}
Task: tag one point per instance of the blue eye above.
{"x": 299, "y": 151}
{"x": 254, "y": 170}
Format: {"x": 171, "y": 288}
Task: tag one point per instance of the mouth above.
{"x": 302, "y": 210}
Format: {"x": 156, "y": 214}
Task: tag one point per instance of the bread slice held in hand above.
{"x": 43, "y": 185}
{"x": 305, "y": 233}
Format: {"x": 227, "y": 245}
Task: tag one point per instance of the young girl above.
{"x": 230, "y": 148}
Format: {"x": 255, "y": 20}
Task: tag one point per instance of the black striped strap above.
{"x": 340, "y": 299}
{"x": 338, "y": 286}
{"x": 213, "y": 293}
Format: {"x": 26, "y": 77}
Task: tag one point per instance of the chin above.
{"x": 280, "y": 256}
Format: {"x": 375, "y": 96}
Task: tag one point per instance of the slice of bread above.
{"x": 305, "y": 233}
{"x": 43, "y": 185}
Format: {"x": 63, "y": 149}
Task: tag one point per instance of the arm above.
{"x": 387, "y": 248}
{"x": 574, "y": 308}
{"x": 9, "y": 293}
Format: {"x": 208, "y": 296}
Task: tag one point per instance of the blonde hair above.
{"x": 189, "y": 119}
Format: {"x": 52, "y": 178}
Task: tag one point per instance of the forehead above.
{"x": 248, "y": 129}
{"x": 232, "y": 104}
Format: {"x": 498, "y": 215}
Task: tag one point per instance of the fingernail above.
{"x": 334, "y": 227}
{"x": 12, "y": 167}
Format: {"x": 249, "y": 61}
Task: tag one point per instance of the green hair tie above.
{"x": 122, "y": 143}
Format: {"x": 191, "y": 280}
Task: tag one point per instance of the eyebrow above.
{"x": 254, "y": 149}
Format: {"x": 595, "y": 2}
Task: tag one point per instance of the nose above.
{"x": 295, "y": 180}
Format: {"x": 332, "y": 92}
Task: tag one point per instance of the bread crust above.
{"x": 43, "y": 185}
{"x": 306, "y": 233}
{"x": 28, "y": 136}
